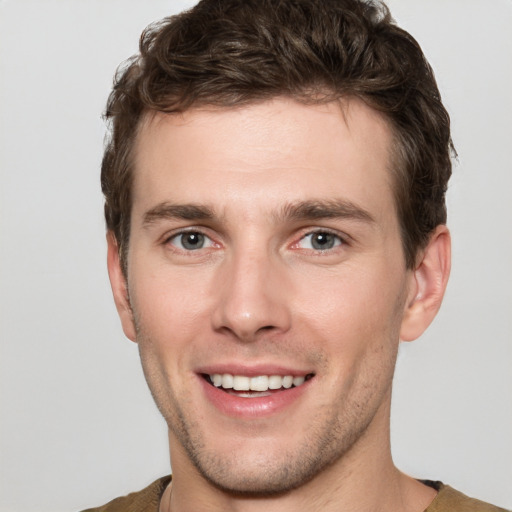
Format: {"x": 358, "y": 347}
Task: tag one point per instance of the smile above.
{"x": 259, "y": 383}
{"x": 251, "y": 393}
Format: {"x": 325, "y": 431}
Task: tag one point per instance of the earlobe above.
{"x": 119, "y": 287}
{"x": 428, "y": 285}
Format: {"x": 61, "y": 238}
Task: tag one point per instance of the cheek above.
{"x": 170, "y": 308}
{"x": 354, "y": 310}
{"x": 168, "y": 321}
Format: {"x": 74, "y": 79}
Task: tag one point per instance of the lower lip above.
{"x": 237, "y": 406}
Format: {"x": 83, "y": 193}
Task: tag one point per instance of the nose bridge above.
{"x": 251, "y": 296}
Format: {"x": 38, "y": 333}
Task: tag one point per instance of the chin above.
{"x": 270, "y": 469}
{"x": 259, "y": 480}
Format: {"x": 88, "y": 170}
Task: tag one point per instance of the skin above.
{"x": 259, "y": 292}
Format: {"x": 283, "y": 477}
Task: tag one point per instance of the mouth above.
{"x": 258, "y": 386}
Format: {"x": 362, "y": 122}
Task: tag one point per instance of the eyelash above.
{"x": 175, "y": 236}
{"x": 339, "y": 240}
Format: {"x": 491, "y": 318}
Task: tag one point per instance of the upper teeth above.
{"x": 259, "y": 383}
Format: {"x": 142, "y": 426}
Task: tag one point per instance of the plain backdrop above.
{"x": 78, "y": 426}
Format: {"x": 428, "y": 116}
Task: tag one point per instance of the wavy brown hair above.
{"x": 233, "y": 52}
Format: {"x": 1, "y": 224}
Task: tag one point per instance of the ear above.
{"x": 428, "y": 284}
{"x": 119, "y": 287}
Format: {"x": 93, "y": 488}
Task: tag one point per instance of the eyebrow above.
{"x": 171, "y": 211}
{"x": 329, "y": 209}
{"x": 297, "y": 211}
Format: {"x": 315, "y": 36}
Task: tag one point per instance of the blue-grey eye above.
{"x": 320, "y": 241}
{"x": 191, "y": 241}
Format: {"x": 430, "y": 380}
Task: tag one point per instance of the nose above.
{"x": 252, "y": 297}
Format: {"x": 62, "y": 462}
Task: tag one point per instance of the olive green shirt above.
{"x": 148, "y": 500}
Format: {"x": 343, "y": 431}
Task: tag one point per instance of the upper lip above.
{"x": 252, "y": 370}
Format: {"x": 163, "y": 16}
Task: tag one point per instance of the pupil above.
{"x": 193, "y": 241}
{"x": 322, "y": 241}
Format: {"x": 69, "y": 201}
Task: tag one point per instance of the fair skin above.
{"x": 264, "y": 243}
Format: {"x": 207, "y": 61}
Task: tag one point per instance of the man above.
{"x": 274, "y": 188}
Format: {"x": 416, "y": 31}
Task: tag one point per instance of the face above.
{"x": 267, "y": 287}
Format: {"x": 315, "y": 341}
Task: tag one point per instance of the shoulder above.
{"x": 451, "y": 500}
{"x": 147, "y": 500}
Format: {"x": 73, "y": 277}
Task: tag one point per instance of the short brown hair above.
{"x": 232, "y": 52}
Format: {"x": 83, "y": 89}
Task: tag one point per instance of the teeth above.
{"x": 241, "y": 383}
{"x": 227, "y": 381}
{"x": 287, "y": 381}
{"x": 275, "y": 382}
{"x": 259, "y": 383}
{"x": 297, "y": 381}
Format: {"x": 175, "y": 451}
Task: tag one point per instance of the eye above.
{"x": 190, "y": 241}
{"x": 320, "y": 241}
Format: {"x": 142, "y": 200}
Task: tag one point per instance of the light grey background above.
{"x": 78, "y": 426}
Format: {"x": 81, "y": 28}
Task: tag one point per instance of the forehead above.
{"x": 260, "y": 155}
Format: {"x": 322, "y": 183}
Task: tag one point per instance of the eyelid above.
{"x": 169, "y": 236}
{"x": 184, "y": 229}
{"x": 343, "y": 238}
